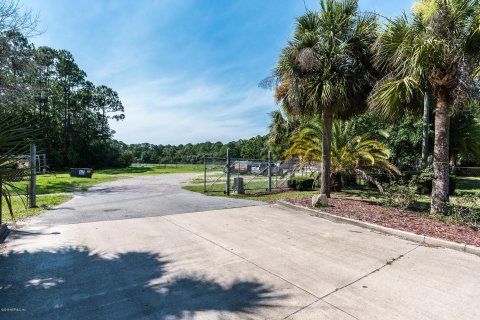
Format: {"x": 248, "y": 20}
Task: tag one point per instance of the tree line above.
{"x": 253, "y": 148}
{"x": 44, "y": 89}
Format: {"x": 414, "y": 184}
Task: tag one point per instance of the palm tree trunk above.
{"x": 326, "y": 151}
{"x": 426, "y": 123}
{"x": 440, "y": 191}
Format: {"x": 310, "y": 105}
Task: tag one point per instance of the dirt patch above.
{"x": 397, "y": 219}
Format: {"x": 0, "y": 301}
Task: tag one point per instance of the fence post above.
{"x": 227, "y": 189}
{"x": 33, "y": 176}
{"x": 204, "y": 174}
{"x": 269, "y": 171}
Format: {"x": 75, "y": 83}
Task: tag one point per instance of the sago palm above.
{"x": 350, "y": 154}
{"x": 439, "y": 45}
{"x": 326, "y": 69}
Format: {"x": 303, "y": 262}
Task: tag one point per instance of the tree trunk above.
{"x": 440, "y": 191}
{"x": 326, "y": 151}
{"x": 426, "y": 123}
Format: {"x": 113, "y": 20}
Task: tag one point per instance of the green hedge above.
{"x": 425, "y": 186}
{"x": 301, "y": 183}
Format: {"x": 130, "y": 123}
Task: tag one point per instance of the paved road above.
{"x": 144, "y": 196}
{"x": 250, "y": 262}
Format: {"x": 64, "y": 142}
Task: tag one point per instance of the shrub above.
{"x": 401, "y": 195}
{"x": 467, "y": 210}
{"x": 126, "y": 158}
{"x": 424, "y": 180}
{"x": 301, "y": 183}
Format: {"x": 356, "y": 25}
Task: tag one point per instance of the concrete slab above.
{"x": 132, "y": 269}
{"x": 428, "y": 283}
{"x": 256, "y": 262}
{"x": 317, "y": 255}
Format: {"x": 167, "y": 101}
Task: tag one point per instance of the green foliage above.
{"x": 466, "y": 210}
{"x": 401, "y": 194}
{"x": 423, "y": 181}
{"x": 350, "y": 153}
{"x": 127, "y": 158}
{"x": 254, "y": 148}
{"x": 301, "y": 183}
{"x": 45, "y": 88}
{"x": 465, "y": 137}
{"x": 13, "y": 141}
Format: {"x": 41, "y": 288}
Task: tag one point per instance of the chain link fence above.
{"x": 240, "y": 175}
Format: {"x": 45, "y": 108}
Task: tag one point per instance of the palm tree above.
{"x": 281, "y": 128}
{"x": 440, "y": 45}
{"x": 326, "y": 69}
{"x": 350, "y": 153}
{"x": 13, "y": 142}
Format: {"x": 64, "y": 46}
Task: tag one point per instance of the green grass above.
{"x": 43, "y": 202}
{"x": 253, "y": 194}
{"x": 62, "y": 182}
{"x": 470, "y": 185}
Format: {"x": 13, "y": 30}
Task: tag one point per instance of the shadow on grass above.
{"x": 75, "y": 283}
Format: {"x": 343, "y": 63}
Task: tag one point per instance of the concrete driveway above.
{"x": 247, "y": 262}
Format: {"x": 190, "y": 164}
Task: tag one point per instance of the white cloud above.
{"x": 174, "y": 111}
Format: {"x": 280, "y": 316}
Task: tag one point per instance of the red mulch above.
{"x": 397, "y": 219}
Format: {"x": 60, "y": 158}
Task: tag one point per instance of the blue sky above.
{"x": 186, "y": 70}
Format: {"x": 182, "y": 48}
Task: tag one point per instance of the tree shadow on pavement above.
{"x": 74, "y": 283}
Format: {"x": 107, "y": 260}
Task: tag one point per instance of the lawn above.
{"x": 43, "y": 202}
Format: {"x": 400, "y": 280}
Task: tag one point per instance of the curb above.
{"x": 429, "y": 241}
{"x": 3, "y": 232}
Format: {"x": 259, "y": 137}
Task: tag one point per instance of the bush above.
{"x": 301, "y": 183}
{"x": 467, "y": 210}
{"x": 424, "y": 180}
{"x": 126, "y": 158}
{"x": 401, "y": 195}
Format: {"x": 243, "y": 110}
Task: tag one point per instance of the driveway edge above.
{"x": 429, "y": 241}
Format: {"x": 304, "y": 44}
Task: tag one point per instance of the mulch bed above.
{"x": 397, "y": 219}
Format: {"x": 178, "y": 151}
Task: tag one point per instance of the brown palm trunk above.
{"x": 326, "y": 151}
{"x": 440, "y": 191}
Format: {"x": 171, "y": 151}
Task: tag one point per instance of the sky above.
{"x": 187, "y": 71}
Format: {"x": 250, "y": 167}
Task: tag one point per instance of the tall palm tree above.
{"x": 351, "y": 153}
{"x": 439, "y": 44}
{"x": 326, "y": 68}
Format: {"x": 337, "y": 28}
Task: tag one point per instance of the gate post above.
{"x": 227, "y": 189}
{"x": 269, "y": 171}
{"x": 33, "y": 176}
{"x": 204, "y": 174}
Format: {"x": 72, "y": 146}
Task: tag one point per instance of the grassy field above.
{"x": 21, "y": 212}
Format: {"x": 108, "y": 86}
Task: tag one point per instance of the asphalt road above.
{"x": 161, "y": 259}
{"x": 143, "y": 196}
